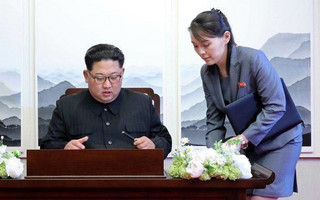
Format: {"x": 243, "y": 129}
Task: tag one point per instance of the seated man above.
{"x": 105, "y": 116}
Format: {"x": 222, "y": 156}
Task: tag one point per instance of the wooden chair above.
{"x": 148, "y": 91}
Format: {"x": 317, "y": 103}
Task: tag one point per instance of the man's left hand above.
{"x": 144, "y": 143}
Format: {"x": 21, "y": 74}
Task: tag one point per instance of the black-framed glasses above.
{"x": 102, "y": 79}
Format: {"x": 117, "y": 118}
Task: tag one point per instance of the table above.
{"x": 133, "y": 188}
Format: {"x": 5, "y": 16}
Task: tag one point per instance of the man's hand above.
{"x": 76, "y": 144}
{"x": 144, "y": 143}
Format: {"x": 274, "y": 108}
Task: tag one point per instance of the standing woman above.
{"x": 231, "y": 72}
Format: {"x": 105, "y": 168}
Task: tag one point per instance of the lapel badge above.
{"x": 241, "y": 84}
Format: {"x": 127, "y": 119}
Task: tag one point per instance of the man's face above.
{"x": 104, "y": 91}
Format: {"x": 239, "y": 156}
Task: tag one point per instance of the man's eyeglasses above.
{"x": 102, "y": 79}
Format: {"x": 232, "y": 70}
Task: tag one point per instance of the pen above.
{"x": 129, "y": 136}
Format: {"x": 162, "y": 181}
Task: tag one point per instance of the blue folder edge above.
{"x": 243, "y": 112}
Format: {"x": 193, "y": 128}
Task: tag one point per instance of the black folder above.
{"x": 243, "y": 112}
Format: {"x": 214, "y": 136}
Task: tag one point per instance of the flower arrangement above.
{"x": 223, "y": 162}
{"x": 10, "y": 164}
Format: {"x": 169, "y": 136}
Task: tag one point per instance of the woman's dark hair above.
{"x": 100, "y": 52}
{"x": 211, "y": 24}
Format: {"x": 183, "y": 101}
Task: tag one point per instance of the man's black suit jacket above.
{"x": 79, "y": 115}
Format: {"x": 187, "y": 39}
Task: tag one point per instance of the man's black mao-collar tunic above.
{"x": 80, "y": 115}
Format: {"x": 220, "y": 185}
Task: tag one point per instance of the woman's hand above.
{"x": 241, "y": 141}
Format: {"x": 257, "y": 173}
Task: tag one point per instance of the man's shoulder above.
{"x": 133, "y": 94}
{"x": 73, "y": 98}
{"x": 135, "y": 101}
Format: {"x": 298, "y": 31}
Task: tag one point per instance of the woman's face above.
{"x": 213, "y": 50}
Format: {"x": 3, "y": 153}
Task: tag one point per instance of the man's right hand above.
{"x": 76, "y": 144}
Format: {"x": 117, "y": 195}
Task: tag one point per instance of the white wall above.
{"x": 308, "y": 180}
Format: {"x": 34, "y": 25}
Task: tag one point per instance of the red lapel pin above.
{"x": 241, "y": 84}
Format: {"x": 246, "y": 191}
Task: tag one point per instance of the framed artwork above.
{"x": 11, "y": 62}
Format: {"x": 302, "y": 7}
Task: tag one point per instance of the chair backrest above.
{"x": 148, "y": 91}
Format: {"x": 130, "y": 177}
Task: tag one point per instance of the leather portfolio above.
{"x": 243, "y": 112}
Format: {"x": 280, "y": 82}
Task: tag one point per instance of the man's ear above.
{"x": 85, "y": 75}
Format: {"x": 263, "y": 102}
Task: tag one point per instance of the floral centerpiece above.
{"x": 223, "y": 162}
{"x": 10, "y": 164}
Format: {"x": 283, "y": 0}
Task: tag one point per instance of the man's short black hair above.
{"x": 100, "y": 52}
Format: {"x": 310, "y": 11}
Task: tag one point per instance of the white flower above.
{"x": 184, "y": 140}
{"x": 14, "y": 167}
{"x": 230, "y": 149}
{"x": 242, "y": 162}
{"x": 183, "y": 151}
{"x": 195, "y": 169}
{"x": 214, "y": 160}
{"x": 189, "y": 149}
{"x": 221, "y": 160}
{"x": 197, "y": 156}
{"x": 2, "y": 149}
{"x": 210, "y": 154}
